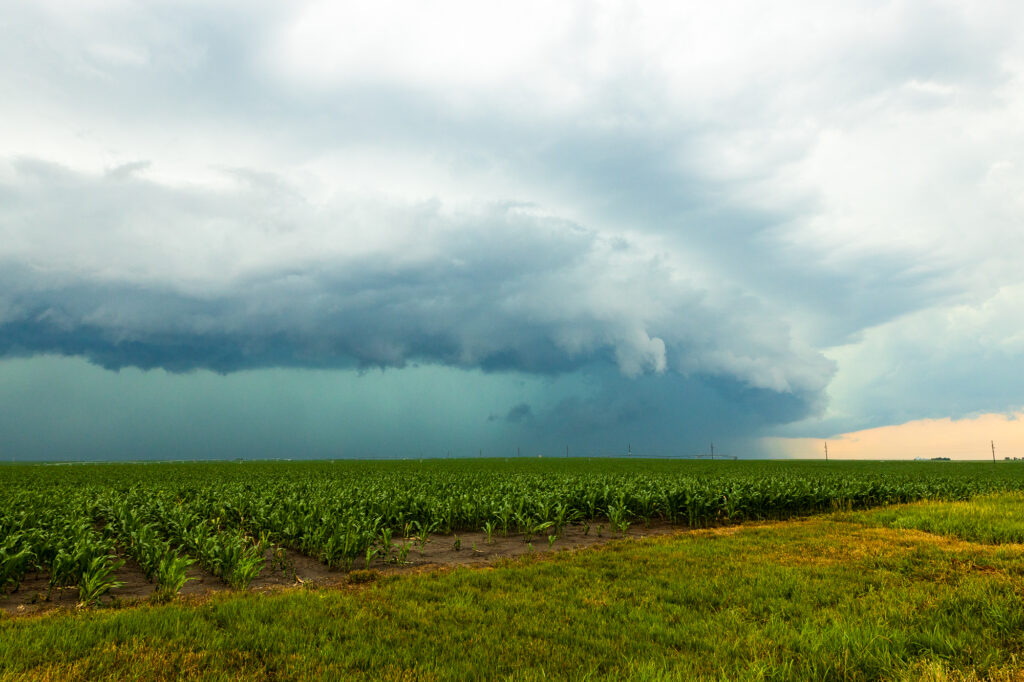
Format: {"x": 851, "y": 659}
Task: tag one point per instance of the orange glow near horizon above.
{"x": 925, "y": 438}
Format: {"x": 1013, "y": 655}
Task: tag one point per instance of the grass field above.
{"x": 923, "y": 590}
{"x": 994, "y": 519}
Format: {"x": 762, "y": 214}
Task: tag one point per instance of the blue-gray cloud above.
{"x": 518, "y": 413}
{"x": 500, "y": 289}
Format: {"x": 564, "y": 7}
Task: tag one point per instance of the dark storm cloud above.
{"x": 673, "y": 413}
{"x": 519, "y": 413}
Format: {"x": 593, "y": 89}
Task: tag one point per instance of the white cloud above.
{"x": 444, "y": 44}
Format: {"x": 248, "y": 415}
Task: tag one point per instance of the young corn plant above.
{"x": 617, "y": 515}
{"x": 504, "y": 517}
{"x": 385, "y": 543}
{"x": 535, "y": 528}
{"x": 423, "y": 531}
{"x": 171, "y": 575}
{"x": 244, "y": 571}
{"x": 523, "y": 523}
{"x": 15, "y": 559}
{"x": 371, "y": 552}
{"x": 97, "y": 580}
{"x": 563, "y": 516}
{"x": 62, "y": 571}
{"x": 283, "y": 563}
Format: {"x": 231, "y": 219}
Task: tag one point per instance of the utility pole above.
{"x": 993, "y": 452}
{"x": 629, "y": 449}
{"x": 712, "y": 449}
{"x": 826, "y": 451}
{"x": 566, "y": 450}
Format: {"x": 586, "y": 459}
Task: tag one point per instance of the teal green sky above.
{"x": 64, "y": 408}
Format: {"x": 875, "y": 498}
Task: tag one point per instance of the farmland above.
{"x": 929, "y": 588}
{"x": 748, "y": 585}
{"x": 79, "y": 524}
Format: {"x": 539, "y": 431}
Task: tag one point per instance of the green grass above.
{"x": 993, "y": 519}
{"x": 830, "y": 597}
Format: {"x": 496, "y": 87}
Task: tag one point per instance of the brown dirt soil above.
{"x": 289, "y": 568}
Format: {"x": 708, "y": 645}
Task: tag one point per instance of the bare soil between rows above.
{"x": 296, "y": 569}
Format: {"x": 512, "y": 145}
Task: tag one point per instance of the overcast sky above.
{"x": 335, "y": 229}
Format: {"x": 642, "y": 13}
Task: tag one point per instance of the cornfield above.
{"x": 76, "y": 524}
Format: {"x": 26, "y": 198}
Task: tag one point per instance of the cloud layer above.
{"x": 156, "y": 277}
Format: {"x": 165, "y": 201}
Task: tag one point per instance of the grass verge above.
{"x": 992, "y": 519}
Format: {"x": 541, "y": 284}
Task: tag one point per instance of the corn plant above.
{"x": 63, "y": 571}
{"x": 617, "y": 516}
{"x": 282, "y": 563}
{"x": 385, "y": 543}
{"x": 145, "y": 543}
{"x": 97, "y": 579}
{"x": 562, "y": 516}
{"x": 172, "y": 574}
{"x": 532, "y": 528}
{"x": 423, "y": 532}
{"x": 16, "y": 556}
{"x": 371, "y": 552}
{"x": 504, "y": 517}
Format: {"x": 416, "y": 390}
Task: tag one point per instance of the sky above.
{"x": 396, "y": 229}
{"x": 918, "y": 439}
